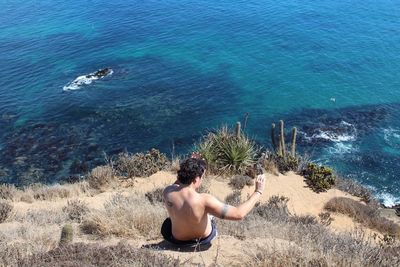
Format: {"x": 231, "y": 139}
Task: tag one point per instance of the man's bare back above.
{"x": 190, "y": 211}
{"x": 187, "y": 211}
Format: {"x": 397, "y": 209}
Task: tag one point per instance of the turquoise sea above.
{"x": 331, "y": 68}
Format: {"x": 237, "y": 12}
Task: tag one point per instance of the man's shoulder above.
{"x": 170, "y": 188}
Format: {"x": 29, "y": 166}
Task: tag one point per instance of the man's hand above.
{"x": 260, "y": 183}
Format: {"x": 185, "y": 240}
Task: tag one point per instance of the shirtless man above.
{"x": 189, "y": 221}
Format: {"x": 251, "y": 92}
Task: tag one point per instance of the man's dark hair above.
{"x": 190, "y": 169}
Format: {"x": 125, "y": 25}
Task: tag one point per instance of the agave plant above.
{"x": 227, "y": 153}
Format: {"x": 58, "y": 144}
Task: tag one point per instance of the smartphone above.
{"x": 259, "y": 169}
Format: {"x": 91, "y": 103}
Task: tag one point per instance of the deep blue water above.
{"x": 331, "y": 68}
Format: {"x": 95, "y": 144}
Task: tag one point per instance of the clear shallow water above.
{"x": 180, "y": 67}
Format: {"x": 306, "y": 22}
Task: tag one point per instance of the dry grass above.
{"x": 308, "y": 243}
{"x": 268, "y": 163}
{"x": 155, "y": 196}
{"x": 52, "y": 192}
{"x": 41, "y": 217}
{"x": 23, "y": 239}
{"x": 76, "y": 210}
{"x": 5, "y": 210}
{"x": 102, "y": 178}
{"x": 364, "y": 214}
{"x": 234, "y": 198}
{"x": 8, "y": 192}
{"x": 141, "y": 164}
{"x": 355, "y": 189}
{"x": 175, "y": 165}
{"x": 126, "y": 216}
{"x": 81, "y": 254}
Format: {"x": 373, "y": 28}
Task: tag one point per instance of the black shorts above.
{"x": 166, "y": 231}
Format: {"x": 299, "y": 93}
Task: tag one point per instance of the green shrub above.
{"x": 227, "y": 153}
{"x": 319, "y": 178}
{"x": 5, "y": 210}
{"x": 286, "y": 164}
{"x": 141, "y": 164}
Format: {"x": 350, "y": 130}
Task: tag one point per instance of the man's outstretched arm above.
{"x": 225, "y": 211}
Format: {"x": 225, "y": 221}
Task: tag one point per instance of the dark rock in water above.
{"x": 79, "y": 167}
{"x": 100, "y": 73}
{"x": 321, "y": 127}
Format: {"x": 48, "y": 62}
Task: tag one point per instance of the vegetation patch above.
{"x": 125, "y": 216}
{"x": 155, "y": 196}
{"x": 364, "y": 214}
{"x": 76, "y": 210}
{"x": 227, "y": 152}
{"x": 238, "y": 182}
{"x": 84, "y": 254}
{"x": 8, "y": 192}
{"x": 141, "y": 164}
{"x": 234, "y": 198}
{"x": 318, "y": 178}
{"x": 5, "y": 210}
{"x": 102, "y": 178}
{"x": 286, "y": 164}
{"x": 355, "y": 189}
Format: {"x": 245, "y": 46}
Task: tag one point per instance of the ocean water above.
{"x": 330, "y": 68}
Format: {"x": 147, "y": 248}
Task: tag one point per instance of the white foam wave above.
{"x": 334, "y": 137}
{"x": 346, "y": 132}
{"x": 388, "y": 199}
{"x": 390, "y": 134}
{"x": 342, "y": 148}
{"x": 85, "y": 80}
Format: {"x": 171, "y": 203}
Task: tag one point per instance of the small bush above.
{"x": 76, "y": 210}
{"x": 141, "y": 164}
{"x": 274, "y": 210}
{"x": 269, "y": 164}
{"x": 364, "y": 214}
{"x": 8, "y": 191}
{"x": 234, "y": 198}
{"x": 286, "y": 164}
{"x": 239, "y": 181}
{"x": 102, "y": 178}
{"x": 325, "y": 218}
{"x": 5, "y": 210}
{"x": 155, "y": 196}
{"x": 319, "y": 178}
{"x": 227, "y": 153}
{"x": 355, "y": 189}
